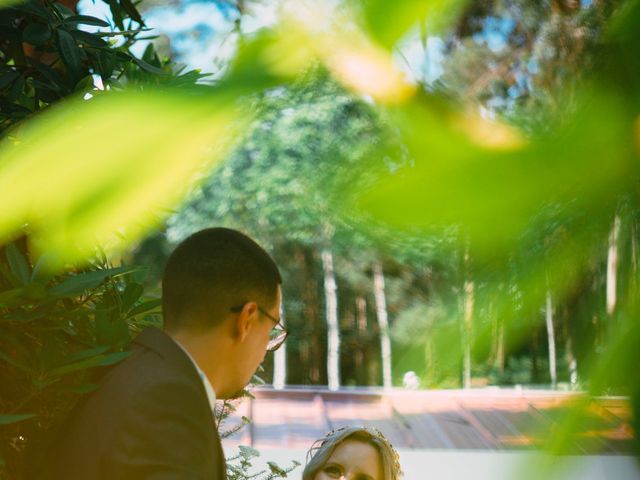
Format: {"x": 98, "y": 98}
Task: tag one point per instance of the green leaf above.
{"x": 114, "y": 6}
{"x": 9, "y": 276}
{"x": 35, "y": 9}
{"x": 110, "y": 332}
{"x": 8, "y": 419}
{"x": 276, "y": 469}
{"x": 18, "y": 264}
{"x": 131, "y": 10}
{"x": 69, "y": 51}
{"x": 248, "y": 452}
{"x": 42, "y": 383}
{"x": 90, "y": 39}
{"x": 83, "y": 388}
{"x": 44, "y": 88}
{"x": 16, "y": 89}
{"x": 51, "y": 75}
{"x": 124, "y": 56}
{"x": 123, "y": 32}
{"x": 97, "y": 361}
{"x": 34, "y": 291}
{"x": 84, "y": 84}
{"x": 86, "y": 20}
{"x": 26, "y": 316}
{"x": 69, "y": 217}
{"x": 7, "y": 296}
{"x": 37, "y": 33}
{"x": 91, "y": 352}
{"x": 82, "y": 282}
{"x": 7, "y": 78}
{"x": 63, "y": 10}
{"x": 41, "y": 269}
{"x": 390, "y": 21}
{"x": 12, "y": 361}
{"x": 48, "y": 355}
{"x": 148, "y": 67}
{"x": 145, "y": 307}
{"x": 131, "y": 294}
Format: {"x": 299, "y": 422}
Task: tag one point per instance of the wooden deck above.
{"x": 487, "y": 419}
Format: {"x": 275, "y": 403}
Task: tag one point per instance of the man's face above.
{"x": 254, "y": 347}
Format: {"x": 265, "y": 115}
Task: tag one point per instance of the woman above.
{"x": 352, "y": 453}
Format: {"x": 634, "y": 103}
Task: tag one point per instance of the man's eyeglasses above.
{"x": 277, "y": 335}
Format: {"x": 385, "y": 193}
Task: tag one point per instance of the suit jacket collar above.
{"x": 158, "y": 341}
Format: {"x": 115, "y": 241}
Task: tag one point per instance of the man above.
{"x": 151, "y": 417}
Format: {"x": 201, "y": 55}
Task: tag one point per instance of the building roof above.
{"x": 483, "y": 419}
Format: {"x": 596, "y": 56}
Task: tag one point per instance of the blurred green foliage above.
{"x": 100, "y": 204}
{"x": 521, "y": 202}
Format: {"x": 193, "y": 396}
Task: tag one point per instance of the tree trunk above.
{"x": 333, "y": 333}
{"x": 467, "y": 324}
{"x": 383, "y": 321}
{"x": 634, "y": 254}
{"x": 361, "y": 306}
{"x": 535, "y": 348}
{"x": 280, "y": 359}
{"x": 551, "y": 339}
{"x": 570, "y": 356}
{"x": 313, "y": 319}
{"x": 572, "y": 363}
{"x": 361, "y": 328}
{"x": 500, "y": 347}
{"x": 612, "y": 266}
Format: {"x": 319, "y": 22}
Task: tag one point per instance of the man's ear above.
{"x": 244, "y": 320}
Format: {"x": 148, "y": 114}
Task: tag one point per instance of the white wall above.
{"x": 487, "y": 465}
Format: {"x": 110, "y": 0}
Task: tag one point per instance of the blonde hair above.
{"x": 322, "y": 449}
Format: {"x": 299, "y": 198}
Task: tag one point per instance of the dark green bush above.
{"x": 56, "y": 332}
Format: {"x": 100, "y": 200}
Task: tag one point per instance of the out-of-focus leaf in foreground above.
{"x": 312, "y": 32}
{"x": 468, "y": 172}
{"x": 387, "y": 22}
{"x": 101, "y": 172}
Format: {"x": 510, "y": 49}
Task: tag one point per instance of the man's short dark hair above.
{"x": 210, "y": 272}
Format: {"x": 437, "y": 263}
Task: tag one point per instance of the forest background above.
{"x": 282, "y": 184}
{"x": 461, "y": 204}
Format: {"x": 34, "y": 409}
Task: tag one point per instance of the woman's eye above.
{"x": 332, "y": 471}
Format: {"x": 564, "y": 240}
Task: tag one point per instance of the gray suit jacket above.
{"x": 150, "y": 419}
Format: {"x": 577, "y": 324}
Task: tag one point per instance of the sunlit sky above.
{"x": 201, "y": 35}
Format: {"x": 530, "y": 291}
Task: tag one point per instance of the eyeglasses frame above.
{"x": 277, "y": 321}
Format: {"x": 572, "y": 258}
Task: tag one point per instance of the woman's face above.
{"x": 352, "y": 460}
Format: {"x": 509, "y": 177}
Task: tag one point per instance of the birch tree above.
{"x": 280, "y": 358}
{"x": 467, "y": 325}
{"x": 612, "y": 266}
{"x": 333, "y": 329}
{"x": 383, "y": 321}
{"x": 361, "y": 328}
{"x": 551, "y": 337}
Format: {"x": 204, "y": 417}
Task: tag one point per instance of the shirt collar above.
{"x": 208, "y": 388}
